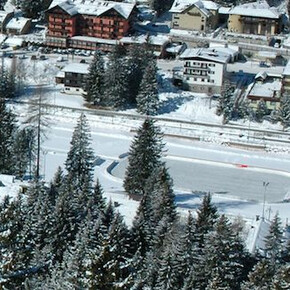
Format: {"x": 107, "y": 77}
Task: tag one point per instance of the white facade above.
{"x": 203, "y": 70}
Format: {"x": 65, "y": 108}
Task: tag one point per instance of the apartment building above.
{"x": 203, "y": 70}
{"x": 255, "y": 18}
{"x": 91, "y": 18}
{"x": 194, "y": 15}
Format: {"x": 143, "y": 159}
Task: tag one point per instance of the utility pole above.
{"x": 265, "y": 185}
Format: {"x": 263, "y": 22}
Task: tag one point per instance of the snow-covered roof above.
{"x": 221, "y": 47}
{"x": 256, "y": 9}
{"x": 93, "y": 7}
{"x": 3, "y": 15}
{"x": 264, "y": 75}
{"x": 204, "y": 6}
{"x": 17, "y": 23}
{"x": 2, "y": 37}
{"x": 270, "y": 84}
{"x": 60, "y": 74}
{"x": 267, "y": 54}
{"x": 266, "y": 89}
{"x": 158, "y": 40}
{"x": 81, "y": 68}
{"x": 286, "y": 71}
{"x": 12, "y": 41}
{"x": 206, "y": 54}
{"x": 224, "y": 10}
{"x": 95, "y": 39}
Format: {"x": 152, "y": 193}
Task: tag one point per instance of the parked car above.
{"x": 60, "y": 59}
{"x": 42, "y": 57}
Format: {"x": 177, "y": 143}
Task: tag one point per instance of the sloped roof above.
{"x": 3, "y": 15}
{"x": 204, "y": 6}
{"x": 93, "y": 7}
{"x": 256, "y": 9}
{"x": 206, "y": 54}
{"x": 81, "y": 68}
{"x": 17, "y": 23}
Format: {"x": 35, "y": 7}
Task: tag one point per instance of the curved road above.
{"x": 222, "y": 178}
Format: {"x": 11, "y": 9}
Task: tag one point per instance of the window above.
{"x": 195, "y": 79}
{"x": 202, "y": 80}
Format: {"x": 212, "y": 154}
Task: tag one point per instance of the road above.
{"x": 193, "y": 166}
{"x": 228, "y": 180}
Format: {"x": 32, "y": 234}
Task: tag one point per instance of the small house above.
{"x": 18, "y": 25}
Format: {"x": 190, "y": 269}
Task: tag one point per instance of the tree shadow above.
{"x": 172, "y": 104}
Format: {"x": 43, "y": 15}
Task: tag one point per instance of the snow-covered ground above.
{"x": 234, "y": 176}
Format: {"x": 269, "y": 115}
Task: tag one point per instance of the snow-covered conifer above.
{"x": 144, "y": 156}
{"x": 148, "y": 98}
{"x": 94, "y": 85}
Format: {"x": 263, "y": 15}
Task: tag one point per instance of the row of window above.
{"x": 200, "y": 79}
{"x": 200, "y": 64}
{"x": 199, "y": 72}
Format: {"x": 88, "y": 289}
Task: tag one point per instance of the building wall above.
{"x": 61, "y": 24}
{"x": 286, "y": 83}
{"x": 74, "y": 82}
{"x": 194, "y": 19}
{"x": 234, "y": 23}
{"x": 203, "y": 76}
{"x": 253, "y": 25}
{"x": 108, "y": 26}
{"x": 191, "y": 19}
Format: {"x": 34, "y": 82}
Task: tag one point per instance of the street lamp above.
{"x": 265, "y": 185}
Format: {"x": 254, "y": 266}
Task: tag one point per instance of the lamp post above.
{"x": 265, "y": 185}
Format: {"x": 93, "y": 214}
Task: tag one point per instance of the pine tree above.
{"x": 193, "y": 256}
{"x": 79, "y": 162}
{"x": 136, "y": 63}
{"x": 225, "y": 255}
{"x": 8, "y": 129}
{"x": 94, "y": 86}
{"x": 274, "y": 241}
{"x": 34, "y": 9}
{"x": 244, "y": 109}
{"x": 13, "y": 253}
{"x": 142, "y": 228}
{"x": 144, "y": 156}
{"x": 147, "y": 98}
{"x": 283, "y": 112}
{"x": 23, "y": 151}
{"x": 206, "y": 218}
{"x": 159, "y": 187}
{"x": 204, "y": 224}
{"x": 116, "y": 82}
{"x": 225, "y": 100}
{"x": 55, "y": 185}
{"x": 171, "y": 264}
{"x": 7, "y": 84}
{"x": 260, "y": 277}
{"x": 262, "y": 110}
{"x": 281, "y": 280}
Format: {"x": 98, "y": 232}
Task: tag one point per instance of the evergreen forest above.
{"x": 67, "y": 235}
